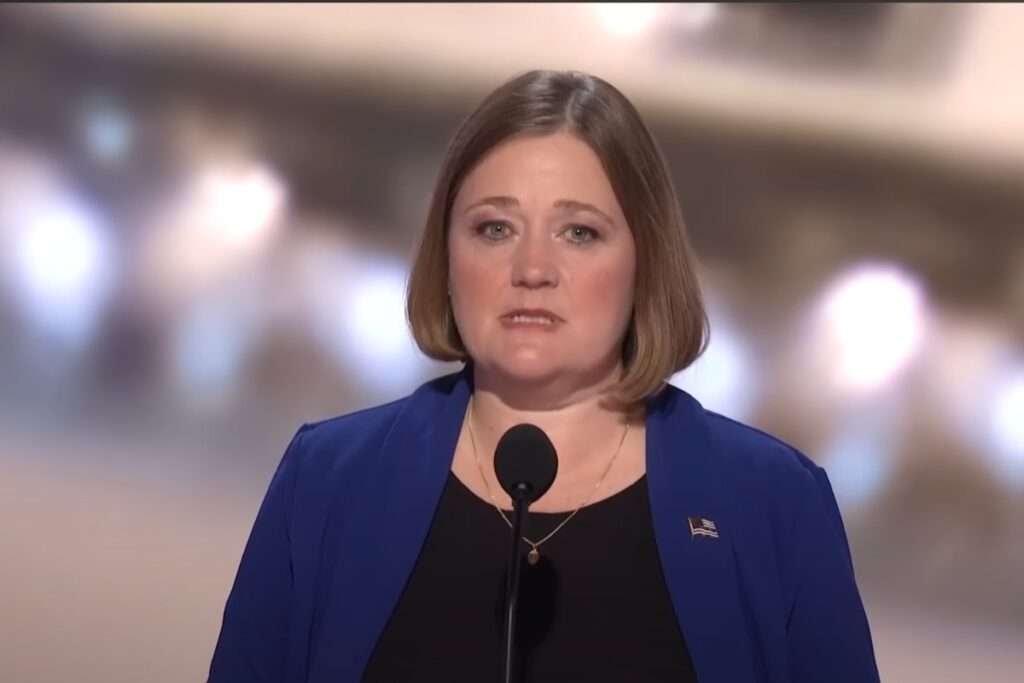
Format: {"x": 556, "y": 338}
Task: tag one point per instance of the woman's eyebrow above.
{"x": 500, "y": 202}
{"x": 504, "y": 202}
{"x": 575, "y": 205}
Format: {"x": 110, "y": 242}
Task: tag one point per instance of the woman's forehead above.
{"x": 556, "y": 171}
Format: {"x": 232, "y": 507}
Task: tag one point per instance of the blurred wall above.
{"x": 207, "y": 214}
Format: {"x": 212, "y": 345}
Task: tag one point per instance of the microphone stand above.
{"x": 520, "y": 505}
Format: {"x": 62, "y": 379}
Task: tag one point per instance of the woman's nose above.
{"x": 533, "y": 264}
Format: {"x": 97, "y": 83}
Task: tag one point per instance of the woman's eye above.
{"x": 581, "y": 233}
{"x": 494, "y": 230}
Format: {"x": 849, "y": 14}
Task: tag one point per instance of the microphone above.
{"x": 525, "y": 463}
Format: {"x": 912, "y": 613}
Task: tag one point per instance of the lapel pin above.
{"x": 701, "y": 526}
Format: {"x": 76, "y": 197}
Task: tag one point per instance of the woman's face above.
{"x": 536, "y": 229}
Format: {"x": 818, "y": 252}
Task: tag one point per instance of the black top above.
{"x": 594, "y": 608}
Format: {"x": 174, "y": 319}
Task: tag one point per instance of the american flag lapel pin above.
{"x": 701, "y": 526}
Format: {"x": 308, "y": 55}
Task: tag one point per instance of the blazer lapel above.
{"x": 685, "y": 480}
{"x": 389, "y": 520}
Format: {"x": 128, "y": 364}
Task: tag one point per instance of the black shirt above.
{"x": 594, "y": 608}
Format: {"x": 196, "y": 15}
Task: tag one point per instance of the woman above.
{"x": 674, "y": 544}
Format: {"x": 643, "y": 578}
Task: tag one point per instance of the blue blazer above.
{"x": 772, "y": 599}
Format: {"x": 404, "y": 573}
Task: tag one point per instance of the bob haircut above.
{"x": 668, "y": 329}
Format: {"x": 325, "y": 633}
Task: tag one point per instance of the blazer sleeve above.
{"x": 253, "y": 641}
{"x": 827, "y": 629}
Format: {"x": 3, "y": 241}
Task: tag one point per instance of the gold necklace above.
{"x": 534, "y": 555}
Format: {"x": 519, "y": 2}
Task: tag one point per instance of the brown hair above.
{"x": 669, "y": 327}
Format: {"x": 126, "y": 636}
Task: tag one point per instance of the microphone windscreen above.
{"x": 525, "y": 455}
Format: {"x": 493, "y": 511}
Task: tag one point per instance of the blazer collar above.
{"x": 686, "y": 479}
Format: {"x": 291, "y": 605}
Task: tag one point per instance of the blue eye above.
{"x": 485, "y": 230}
{"x": 581, "y": 234}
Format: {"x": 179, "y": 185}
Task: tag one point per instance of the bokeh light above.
{"x": 626, "y": 18}
{"x": 723, "y": 378}
{"x": 60, "y": 258}
{"x": 107, "y": 130}
{"x": 1006, "y": 424}
{"x": 871, "y": 322}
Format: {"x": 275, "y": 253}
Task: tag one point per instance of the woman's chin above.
{"x": 527, "y": 370}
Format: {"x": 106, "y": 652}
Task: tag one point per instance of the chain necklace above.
{"x": 534, "y": 555}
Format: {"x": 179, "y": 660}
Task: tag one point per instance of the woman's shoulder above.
{"x": 761, "y": 469}
{"x": 769, "y": 473}
{"x": 748, "y": 450}
{"x": 351, "y": 430}
{"x": 756, "y": 452}
{"x": 333, "y": 442}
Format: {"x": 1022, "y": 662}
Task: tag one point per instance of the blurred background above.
{"x": 207, "y": 215}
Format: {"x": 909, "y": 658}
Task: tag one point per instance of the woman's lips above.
{"x": 531, "y": 319}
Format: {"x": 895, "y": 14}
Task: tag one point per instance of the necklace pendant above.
{"x": 533, "y": 557}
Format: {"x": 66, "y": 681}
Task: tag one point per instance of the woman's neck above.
{"x": 582, "y": 424}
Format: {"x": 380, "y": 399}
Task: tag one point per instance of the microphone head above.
{"x": 525, "y": 455}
